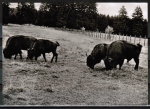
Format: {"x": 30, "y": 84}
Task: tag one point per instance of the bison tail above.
{"x": 57, "y": 43}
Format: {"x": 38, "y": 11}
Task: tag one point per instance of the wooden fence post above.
{"x": 99, "y": 34}
{"x": 134, "y": 39}
{"x": 139, "y": 39}
{"x": 92, "y": 34}
{"x": 89, "y": 33}
{"x": 130, "y": 38}
{"x": 144, "y": 40}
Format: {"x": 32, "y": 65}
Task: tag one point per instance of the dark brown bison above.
{"x": 97, "y": 54}
{"x": 42, "y": 46}
{"x": 120, "y": 50}
{"x": 16, "y": 43}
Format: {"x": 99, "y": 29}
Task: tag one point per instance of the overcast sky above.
{"x": 112, "y": 8}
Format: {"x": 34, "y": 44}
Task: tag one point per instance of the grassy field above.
{"x": 70, "y": 81}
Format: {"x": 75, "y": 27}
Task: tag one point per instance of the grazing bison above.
{"x": 97, "y": 54}
{"x": 120, "y": 50}
{"x": 16, "y": 43}
{"x": 42, "y": 46}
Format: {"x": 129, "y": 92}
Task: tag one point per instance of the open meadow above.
{"x": 70, "y": 81}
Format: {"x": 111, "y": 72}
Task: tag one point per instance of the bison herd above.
{"x": 35, "y": 47}
{"x": 112, "y": 54}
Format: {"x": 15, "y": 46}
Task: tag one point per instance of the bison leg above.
{"x": 52, "y": 58}
{"x": 56, "y": 57}
{"x": 44, "y": 56}
{"x": 20, "y": 55}
{"x": 120, "y": 64}
{"x": 115, "y": 66}
{"x": 137, "y": 63}
{"x": 35, "y": 58}
{"x": 15, "y": 56}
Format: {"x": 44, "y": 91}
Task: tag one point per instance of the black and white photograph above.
{"x": 75, "y": 53}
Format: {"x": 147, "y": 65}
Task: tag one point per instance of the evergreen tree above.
{"x": 123, "y": 21}
{"x": 138, "y": 13}
{"x": 12, "y": 15}
{"x": 26, "y": 13}
{"x": 137, "y": 21}
{"x": 5, "y": 13}
{"x": 123, "y": 12}
{"x": 145, "y": 27}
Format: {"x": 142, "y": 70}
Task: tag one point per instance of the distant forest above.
{"x": 75, "y": 15}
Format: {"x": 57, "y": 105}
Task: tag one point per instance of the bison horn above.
{"x": 110, "y": 59}
{"x": 105, "y": 58}
{"x": 57, "y": 43}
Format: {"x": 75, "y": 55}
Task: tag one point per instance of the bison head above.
{"x": 31, "y": 53}
{"x": 90, "y": 62}
{"x": 109, "y": 63}
{"x": 7, "y": 54}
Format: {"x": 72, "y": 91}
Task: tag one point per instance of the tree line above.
{"x": 75, "y": 15}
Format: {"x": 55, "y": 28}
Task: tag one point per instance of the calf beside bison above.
{"x": 114, "y": 54}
